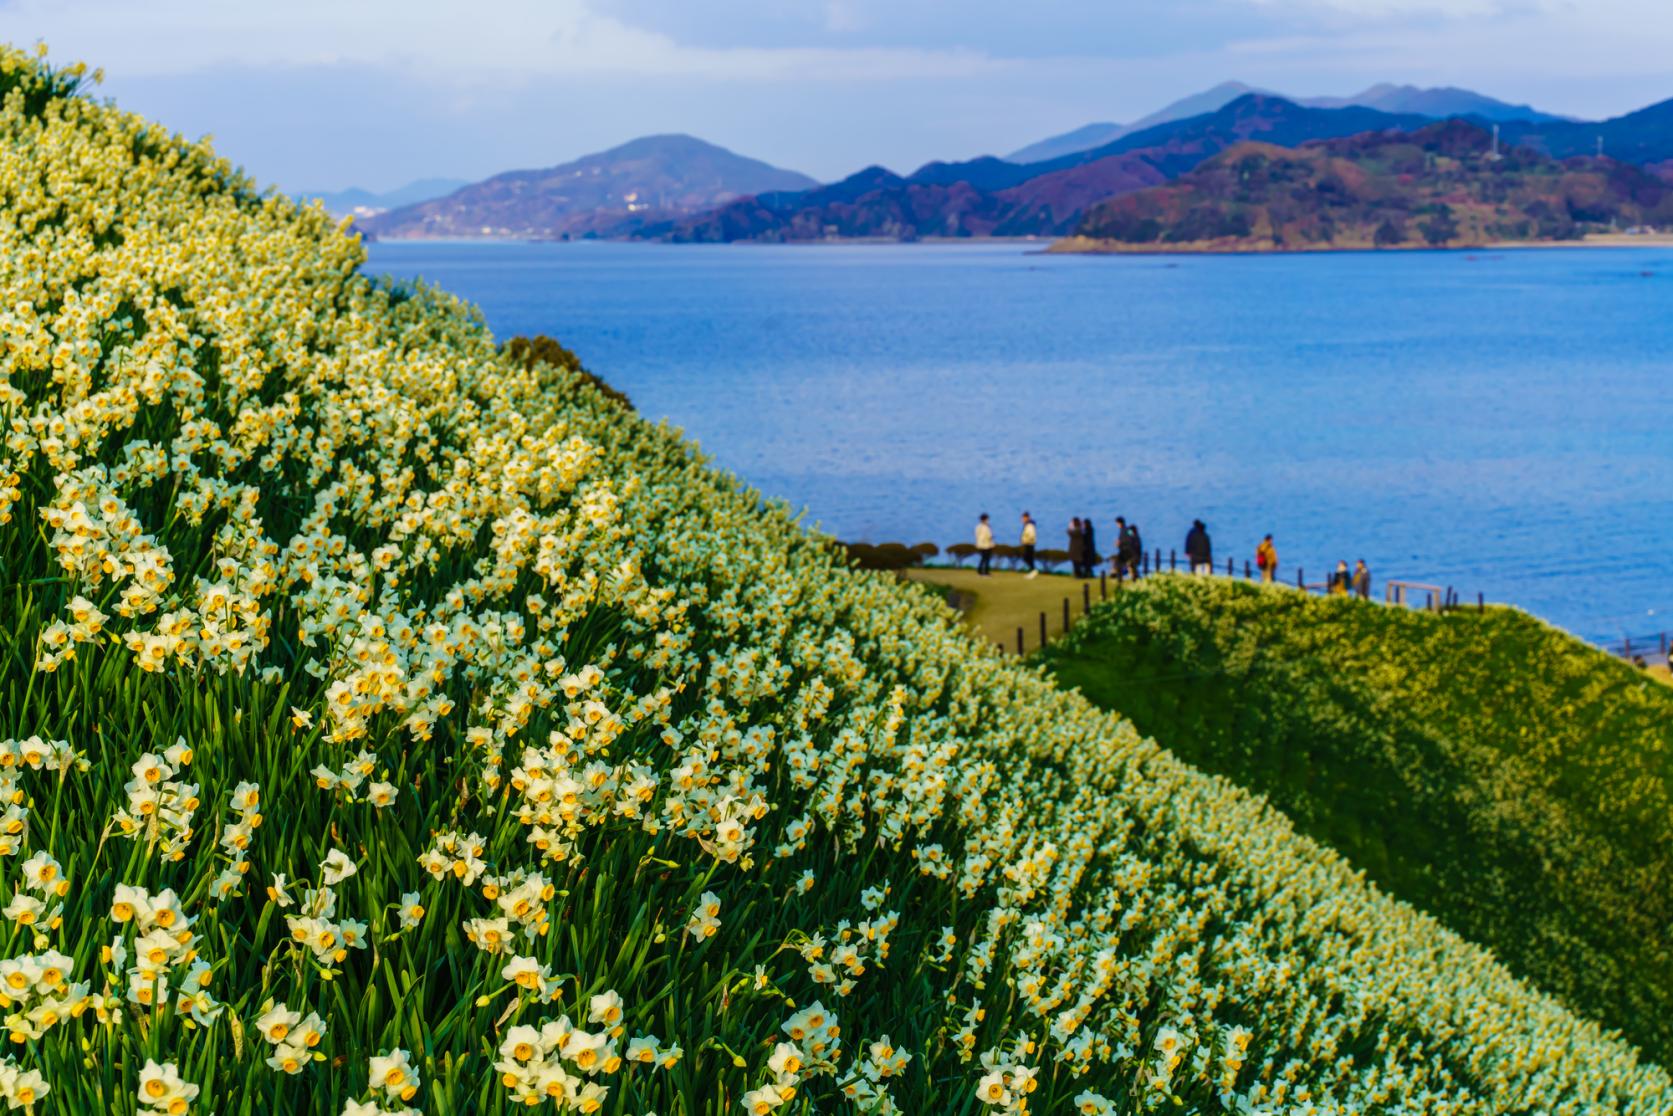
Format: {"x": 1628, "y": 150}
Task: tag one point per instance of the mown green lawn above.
{"x": 1002, "y": 602}
{"x": 1484, "y": 766}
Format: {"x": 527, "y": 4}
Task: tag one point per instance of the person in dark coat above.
{"x": 1132, "y": 550}
{"x": 1362, "y": 580}
{"x": 1199, "y": 549}
{"x": 1077, "y": 545}
{"x": 1090, "y": 559}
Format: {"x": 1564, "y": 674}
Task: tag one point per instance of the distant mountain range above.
{"x": 1442, "y": 102}
{"x": 1644, "y": 137}
{"x": 680, "y": 188}
{"x": 1442, "y": 185}
{"x": 612, "y": 193}
{"x": 355, "y": 202}
{"x": 1088, "y": 136}
{"x": 990, "y": 197}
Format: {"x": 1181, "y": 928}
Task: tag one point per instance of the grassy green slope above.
{"x": 1485, "y": 766}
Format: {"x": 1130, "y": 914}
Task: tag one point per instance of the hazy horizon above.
{"x": 375, "y": 95}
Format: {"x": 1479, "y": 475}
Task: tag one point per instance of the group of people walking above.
{"x": 1083, "y": 546}
{"x": 1128, "y": 558}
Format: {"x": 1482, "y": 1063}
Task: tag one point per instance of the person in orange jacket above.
{"x": 1266, "y": 560}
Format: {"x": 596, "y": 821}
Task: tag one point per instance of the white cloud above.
{"x": 1529, "y": 43}
{"x": 492, "y": 39}
{"x": 323, "y": 92}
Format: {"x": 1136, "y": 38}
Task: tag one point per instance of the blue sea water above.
{"x": 1500, "y": 421}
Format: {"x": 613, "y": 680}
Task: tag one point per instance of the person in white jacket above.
{"x": 984, "y": 545}
{"x": 1028, "y": 537}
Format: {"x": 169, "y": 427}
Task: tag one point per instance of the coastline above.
{"x": 826, "y": 242}
{"x": 1076, "y": 245}
{"x": 1086, "y": 246}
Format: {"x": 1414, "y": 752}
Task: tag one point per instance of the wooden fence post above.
{"x": 1019, "y": 639}
{"x": 1085, "y": 597}
{"x": 1300, "y": 582}
{"x": 1103, "y": 585}
{"x": 1480, "y": 602}
{"x": 1065, "y": 614}
{"x": 1042, "y": 627}
{"x": 1248, "y": 571}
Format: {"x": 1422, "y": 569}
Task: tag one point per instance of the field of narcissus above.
{"x": 387, "y": 725}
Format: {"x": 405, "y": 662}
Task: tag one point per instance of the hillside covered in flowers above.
{"x": 389, "y": 726}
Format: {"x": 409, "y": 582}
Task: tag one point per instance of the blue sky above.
{"x": 309, "y": 94}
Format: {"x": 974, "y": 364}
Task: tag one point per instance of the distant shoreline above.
{"x": 1085, "y": 246}
{"x": 1073, "y": 245}
{"x": 832, "y": 242}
